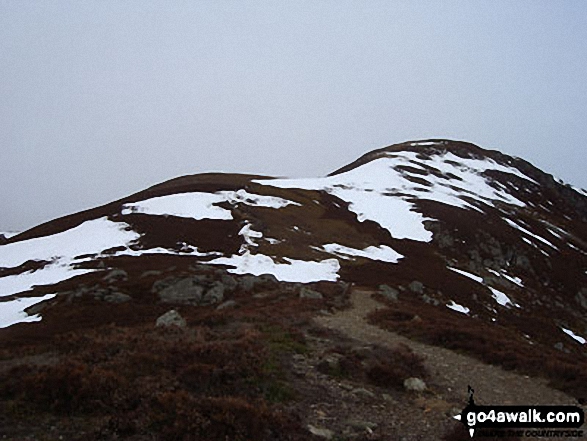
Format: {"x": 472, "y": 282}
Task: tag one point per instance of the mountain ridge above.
{"x": 218, "y": 180}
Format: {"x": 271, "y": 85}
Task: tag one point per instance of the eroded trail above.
{"x": 451, "y": 372}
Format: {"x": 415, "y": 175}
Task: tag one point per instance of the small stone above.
{"x": 307, "y": 293}
{"x": 171, "y": 318}
{"x": 453, "y": 411}
{"x": 321, "y": 432}
{"x": 226, "y": 305}
{"x": 414, "y": 384}
{"x": 364, "y": 393}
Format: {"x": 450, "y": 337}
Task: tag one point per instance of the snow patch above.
{"x": 579, "y": 190}
{"x": 575, "y": 336}
{"x": 466, "y": 274}
{"x": 186, "y": 250}
{"x": 424, "y": 143}
{"x": 256, "y": 200}
{"x": 249, "y": 235}
{"x": 570, "y": 245}
{"x": 384, "y": 192}
{"x": 293, "y": 271}
{"x": 201, "y": 205}
{"x": 9, "y": 234}
{"x": 529, "y": 233}
{"x": 514, "y": 280}
{"x": 394, "y": 214}
{"x": 12, "y": 311}
{"x": 382, "y": 252}
{"x": 61, "y": 250}
{"x": 502, "y": 299}
{"x": 89, "y": 237}
{"x": 195, "y": 205}
{"x": 55, "y": 272}
{"x": 458, "y": 308}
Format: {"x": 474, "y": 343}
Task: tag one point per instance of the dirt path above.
{"x": 451, "y": 372}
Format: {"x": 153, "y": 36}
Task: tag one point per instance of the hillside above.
{"x": 461, "y": 249}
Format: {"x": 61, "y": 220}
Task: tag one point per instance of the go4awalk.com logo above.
{"x": 530, "y": 421}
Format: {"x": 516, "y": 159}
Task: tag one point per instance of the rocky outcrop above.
{"x": 191, "y": 290}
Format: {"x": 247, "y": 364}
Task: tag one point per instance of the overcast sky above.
{"x": 100, "y": 99}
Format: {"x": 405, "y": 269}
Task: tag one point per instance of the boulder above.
{"x": 414, "y": 384}
{"x": 388, "y": 292}
{"x": 171, "y": 318}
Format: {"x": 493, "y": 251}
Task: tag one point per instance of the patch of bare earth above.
{"x": 351, "y": 408}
